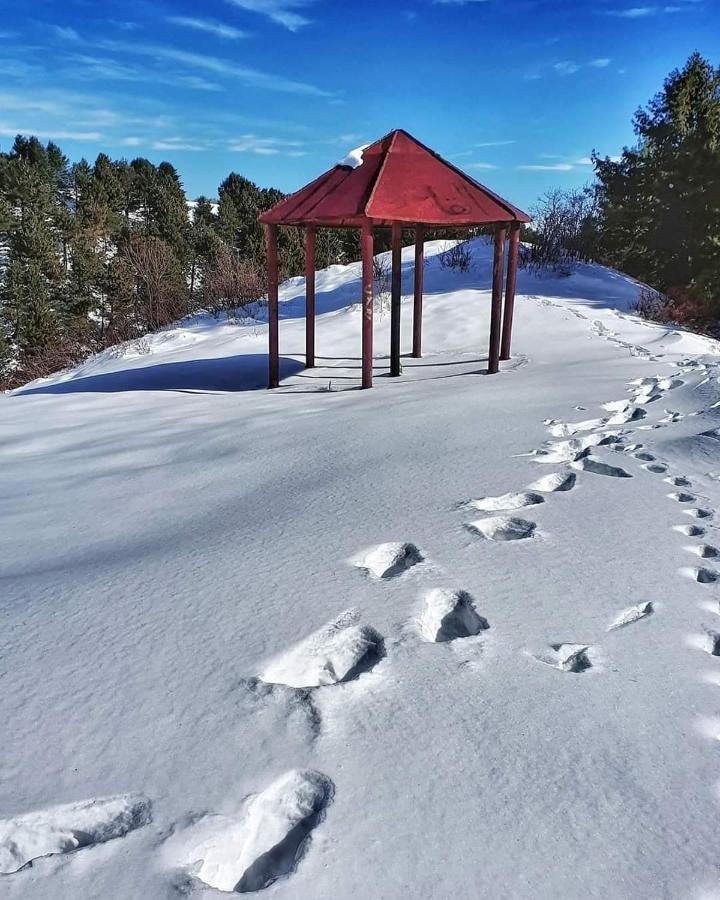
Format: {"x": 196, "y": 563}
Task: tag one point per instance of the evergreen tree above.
{"x": 660, "y": 203}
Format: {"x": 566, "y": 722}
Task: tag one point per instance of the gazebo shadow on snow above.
{"x": 226, "y": 374}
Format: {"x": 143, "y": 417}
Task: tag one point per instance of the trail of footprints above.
{"x": 271, "y": 832}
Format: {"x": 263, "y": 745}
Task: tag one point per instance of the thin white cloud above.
{"x": 177, "y": 144}
{"x": 282, "y": 12}
{"x": 67, "y": 34}
{"x": 49, "y": 133}
{"x": 96, "y": 68}
{"x": 266, "y": 146}
{"x": 495, "y": 143}
{"x": 549, "y": 167}
{"x": 480, "y": 165}
{"x": 602, "y": 62}
{"x": 566, "y": 67}
{"x": 221, "y": 67}
{"x": 219, "y": 29}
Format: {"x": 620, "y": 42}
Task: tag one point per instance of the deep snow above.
{"x": 283, "y": 638}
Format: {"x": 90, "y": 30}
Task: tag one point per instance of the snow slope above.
{"x": 453, "y": 637}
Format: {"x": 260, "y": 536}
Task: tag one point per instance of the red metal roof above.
{"x": 400, "y": 180}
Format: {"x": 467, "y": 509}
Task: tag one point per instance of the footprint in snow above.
{"x": 448, "y": 615}
{"x": 567, "y": 657}
{"x": 62, "y": 829}
{"x": 629, "y": 415}
{"x": 555, "y": 481}
{"x": 699, "y": 513}
{"x": 701, "y": 575}
{"x": 704, "y": 551}
{"x": 678, "y": 481}
{"x": 506, "y": 501}
{"x": 588, "y": 464}
{"x": 502, "y": 528}
{"x": 573, "y": 449}
{"x": 690, "y": 530}
{"x": 682, "y": 497}
{"x": 265, "y": 842}
{"x": 632, "y": 614}
{"x": 566, "y": 429}
{"x": 339, "y": 651}
{"x": 656, "y": 468}
{"x": 389, "y": 560}
{"x": 709, "y": 642}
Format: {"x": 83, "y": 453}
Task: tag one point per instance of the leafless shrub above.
{"x": 381, "y": 281}
{"x": 160, "y": 290}
{"x": 457, "y": 256}
{"x": 234, "y": 285}
{"x": 561, "y": 231}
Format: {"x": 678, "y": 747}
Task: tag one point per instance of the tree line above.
{"x": 95, "y": 254}
{"x": 654, "y": 212}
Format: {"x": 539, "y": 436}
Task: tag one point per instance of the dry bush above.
{"x": 561, "y": 233}
{"x": 161, "y": 292}
{"x": 456, "y": 257}
{"x": 382, "y": 273}
{"x": 234, "y": 285}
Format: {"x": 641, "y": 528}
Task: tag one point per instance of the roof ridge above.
{"x": 378, "y": 175}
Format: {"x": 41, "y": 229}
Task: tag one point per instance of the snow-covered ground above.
{"x": 452, "y": 637}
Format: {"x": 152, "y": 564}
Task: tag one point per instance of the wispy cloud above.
{"x": 566, "y": 67}
{"x": 495, "y": 143}
{"x": 548, "y": 167}
{"x": 67, "y": 34}
{"x": 266, "y": 146}
{"x": 480, "y": 165}
{"x": 93, "y": 68}
{"x": 177, "y": 143}
{"x": 282, "y": 12}
{"x": 221, "y": 67}
{"x": 219, "y": 29}
{"x": 646, "y": 12}
{"x": 50, "y": 134}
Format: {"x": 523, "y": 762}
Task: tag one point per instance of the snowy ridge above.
{"x": 192, "y": 543}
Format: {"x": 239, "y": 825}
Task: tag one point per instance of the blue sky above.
{"x": 518, "y": 92}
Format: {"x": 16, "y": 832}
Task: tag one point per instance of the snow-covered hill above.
{"x": 452, "y": 637}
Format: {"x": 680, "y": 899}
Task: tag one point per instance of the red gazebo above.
{"x": 397, "y": 183}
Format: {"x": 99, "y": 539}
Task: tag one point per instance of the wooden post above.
{"x": 309, "y": 297}
{"x": 510, "y": 290}
{"x": 418, "y": 290}
{"x": 272, "y": 285}
{"x": 496, "y": 306}
{"x": 366, "y": 249}
{"x": 395, "y": 297}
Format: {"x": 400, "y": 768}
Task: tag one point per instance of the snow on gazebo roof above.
{"x": 396, "y": 179}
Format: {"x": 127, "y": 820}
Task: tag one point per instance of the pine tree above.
{"x": 660, "y": 204}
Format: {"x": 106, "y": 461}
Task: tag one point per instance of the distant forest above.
{"x": 95, "y": 254}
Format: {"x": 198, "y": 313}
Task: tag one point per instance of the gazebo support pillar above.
{"x": 309, "y": 297}
{"x": 496, "y": 305}
{"x": 366, "y": 250}
{"x": 418, "y": 291}
{"x": 395, "y": 298}
{"x": 510, "y": 290}
{"x": 272, "y": 290}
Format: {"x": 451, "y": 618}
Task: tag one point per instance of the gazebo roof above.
{"x": 399, "y": 180}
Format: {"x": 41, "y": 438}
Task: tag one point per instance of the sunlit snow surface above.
{"x": 457, "y": 636}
